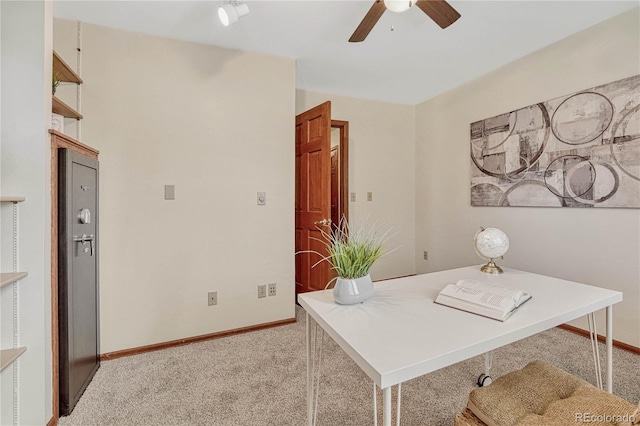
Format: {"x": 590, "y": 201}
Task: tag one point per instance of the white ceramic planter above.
{"x": 350, "y": 291}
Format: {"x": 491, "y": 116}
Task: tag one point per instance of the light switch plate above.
{"x": 262, "y": 198}
{"x": 169, "y": 192}
{"x": 369, "y": 196}
{"x": 353, "y": 197}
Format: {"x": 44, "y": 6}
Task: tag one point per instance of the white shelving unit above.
{"x": 9, "y": 290}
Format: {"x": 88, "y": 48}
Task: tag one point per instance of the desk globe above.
{"x": 490, "y": 244}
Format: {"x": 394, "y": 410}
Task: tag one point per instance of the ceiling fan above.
{"x": 438, "y": 10}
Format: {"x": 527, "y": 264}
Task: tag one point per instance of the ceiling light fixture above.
{"x": 398, "y": 5}
{"x": 230, "y": 12}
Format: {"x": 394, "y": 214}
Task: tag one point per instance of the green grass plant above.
{"x": 353, "y": 249}
{"x": 55, "y": 82}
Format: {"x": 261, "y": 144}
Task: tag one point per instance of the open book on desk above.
{"x": 481, "y": 298}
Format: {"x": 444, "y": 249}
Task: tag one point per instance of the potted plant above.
{"x": 352, "y": 252}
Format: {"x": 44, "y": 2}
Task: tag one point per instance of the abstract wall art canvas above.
{"x": 580, "y": 150}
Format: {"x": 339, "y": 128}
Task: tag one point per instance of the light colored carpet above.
{"x": 259, "y": 378}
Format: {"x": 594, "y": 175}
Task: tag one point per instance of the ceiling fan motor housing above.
{"x": 398, "y": 5}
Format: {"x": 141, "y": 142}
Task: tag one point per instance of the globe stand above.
{"x": 490, "y": 244}
{"x": 491, "y": 268}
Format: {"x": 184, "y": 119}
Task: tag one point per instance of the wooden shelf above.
{"x": 7, "y": 278}
{"x": 60, "y": 140}
{"x": 61, "y": 108}
{"x": 65, "y": 72}
{"x": 11, "y": 199}
{"x": 7, "y": 356}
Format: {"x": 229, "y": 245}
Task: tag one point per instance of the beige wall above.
{"x": 599, "y": 247}
{"x": 169, "y": 112}
{"x": 381, "y": 146}
{"x": 219, "y": 125}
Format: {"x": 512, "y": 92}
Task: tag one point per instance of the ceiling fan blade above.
{"x": 368, "y": 22}
{"x": 440, "y": 11}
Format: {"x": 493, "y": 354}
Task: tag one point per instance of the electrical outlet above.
{"x": 272, "y": 289}
{"x": 425, "y": 255}
{"x": 262, "y": 291}
{"x": 213, "y": 298}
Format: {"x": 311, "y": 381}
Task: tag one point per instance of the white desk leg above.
{"x": 593, "y": 336}
{"x": 386, "y": 406}
{"x": 309, "y": 375}
{"x": 610, "y": 349}
{"x": 375, "y": 405}
{"x": 398, "y": 404}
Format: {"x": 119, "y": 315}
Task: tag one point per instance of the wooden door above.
{"x": 313, "y": 196}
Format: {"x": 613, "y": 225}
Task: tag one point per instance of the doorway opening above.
{"x": 339, "y": 171}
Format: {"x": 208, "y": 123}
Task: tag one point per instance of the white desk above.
{"x": 399, "y": 333}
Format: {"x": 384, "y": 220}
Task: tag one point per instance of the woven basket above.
{"x": 543, "y": 395}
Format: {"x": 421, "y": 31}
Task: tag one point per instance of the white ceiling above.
{"x": 416, "y": 61}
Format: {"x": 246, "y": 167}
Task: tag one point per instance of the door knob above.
{"x": 323, "y": 222}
